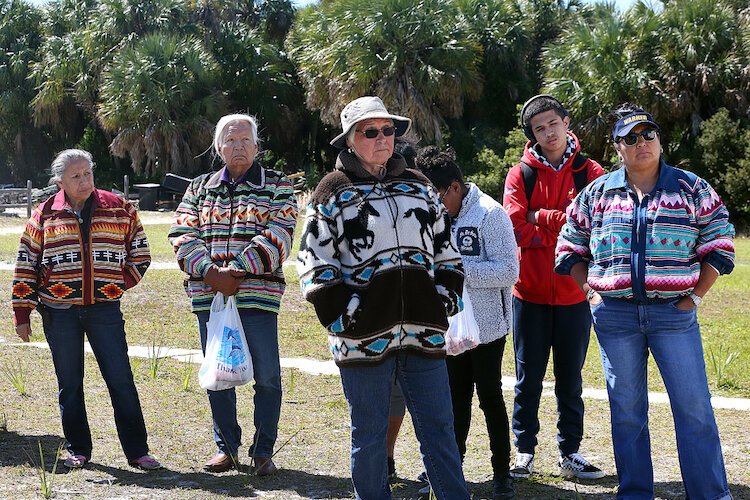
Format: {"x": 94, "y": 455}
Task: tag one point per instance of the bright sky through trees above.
{"x": 621, "y": 4}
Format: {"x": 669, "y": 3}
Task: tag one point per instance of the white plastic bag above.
{"x": 227, "y": 362}
{"x": 463, "y": 330}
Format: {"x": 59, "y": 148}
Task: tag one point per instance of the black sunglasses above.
{"x": 632, "y": 138}
{"x": 372, "y": 133}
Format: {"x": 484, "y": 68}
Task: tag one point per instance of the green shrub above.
{"x": 724, "y": 161}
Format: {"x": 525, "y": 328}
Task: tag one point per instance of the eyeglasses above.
{"x": 632, "y": 138}
{"x": 372, "y": 133}
{"x": 442, "y": 196}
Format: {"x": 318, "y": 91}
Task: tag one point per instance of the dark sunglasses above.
{"x": 632, "y": 138}
{"x": 372, "y": 133}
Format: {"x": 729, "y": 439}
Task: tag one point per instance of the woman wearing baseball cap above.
{"x": 646, "y": 243}
{"x": 377, "y": 262}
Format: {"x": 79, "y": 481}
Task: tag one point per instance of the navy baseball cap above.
{"x": 624, "y": 125}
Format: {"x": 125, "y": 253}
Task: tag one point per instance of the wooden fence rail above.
{"x": 9, "y": 196}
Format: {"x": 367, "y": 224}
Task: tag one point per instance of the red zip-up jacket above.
{"x": 553, "y": 192}
{"x": 56, "y": 265}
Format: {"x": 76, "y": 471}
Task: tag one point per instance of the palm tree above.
{"x": 415, "y": 55}
{"x": 161, "y": 97}
{"x": 595, "y": 65}
{"x": 701, "y": 61}
{"x": 545, "y": 20}
{"x": 20, "y": 143}
{"x": 81, "y": 41}
{"x": 498, "y": 26}
{"x": 259, "y": 78}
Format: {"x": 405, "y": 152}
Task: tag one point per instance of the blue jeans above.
{"x": 104, "y": 327}
{"x": 261, "y": 332}
{"x": 626, "y": 333}
{"x": 424, "y": 382}
{"x": 537, "y": 330}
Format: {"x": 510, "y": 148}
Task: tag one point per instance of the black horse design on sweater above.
{"x": 312, "y": 229}
{"x": 425, "y": 219}
{"x": 356, "y": 229}
{"x": 442, "y": 239}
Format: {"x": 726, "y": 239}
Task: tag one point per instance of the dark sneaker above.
{"x": 574, "y": 465}
{"x": 503, "y": 489}
{"x": 391, "y": 468}
{"x": 425, "y": 491}
{"x": 524, "y": 466}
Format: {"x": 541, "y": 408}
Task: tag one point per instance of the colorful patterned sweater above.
{"x": 248, "y": 227}
{"x": 56, "y": 266}
{"x": 650, "y": 250}
{"x": 377, "y": 261}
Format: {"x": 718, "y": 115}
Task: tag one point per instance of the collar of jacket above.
{"x": 471, "y": 197}
{"x": 668, "y": 179}
{"x": 60, "y": 203}
{"x": 348, "y": 162}
{"x": 256, "y": 177}
{"x": 529, "y": 158}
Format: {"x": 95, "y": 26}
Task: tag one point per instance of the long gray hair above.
{"x": 66, "y": 158}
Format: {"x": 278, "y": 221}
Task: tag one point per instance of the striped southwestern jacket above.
{"x": 56, "y": 266}
{"x": 249, "y": 227}
{"x": 650, "y": 250}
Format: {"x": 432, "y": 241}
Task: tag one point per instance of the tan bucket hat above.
{"x": 365, "y": 108}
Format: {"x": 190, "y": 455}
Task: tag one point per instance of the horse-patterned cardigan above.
{"x": 377, "y": 261}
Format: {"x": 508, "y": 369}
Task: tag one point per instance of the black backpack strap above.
{"x": 580, "y": 172}
{"x": 529, "y": 180}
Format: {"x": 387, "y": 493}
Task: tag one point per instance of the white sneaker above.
{"x": 524, "y": 466}
{"x": 574, "y": 465}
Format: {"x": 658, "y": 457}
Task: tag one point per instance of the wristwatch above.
{"x": 696, "y": 299}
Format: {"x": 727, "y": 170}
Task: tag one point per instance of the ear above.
{"x": 59, "y": 185}
{"x": 566, "y": 122}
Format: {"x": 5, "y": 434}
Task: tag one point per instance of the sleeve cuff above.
{"x": 722, "y": 264}
{"x": 566, "y": 264}
{"x": 21, "y": 315}
{"x": 202, "y": 268}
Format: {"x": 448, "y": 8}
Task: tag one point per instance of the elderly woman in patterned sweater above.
{"x": 231, "y": 233}
{"x": 377, "y": 262}
{"x": 646, "y": 243}
{"x": 80, "y": 251}
{"x": 484, "y": 235}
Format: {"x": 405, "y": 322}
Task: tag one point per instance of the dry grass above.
{"x": 315, "y": 463}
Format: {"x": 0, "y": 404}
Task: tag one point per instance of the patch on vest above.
{"x": 467, "y": 239}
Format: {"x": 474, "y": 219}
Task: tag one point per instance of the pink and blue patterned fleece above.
{"x": 647, "y": 250}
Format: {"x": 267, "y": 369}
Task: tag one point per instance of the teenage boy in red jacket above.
{"x": 549, "y": 310}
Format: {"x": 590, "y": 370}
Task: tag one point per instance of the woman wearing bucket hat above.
{"x": 646, "y": 243}
{"x": 377, "y": 262}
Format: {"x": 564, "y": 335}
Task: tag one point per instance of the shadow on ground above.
{"x": 23, "y": 450}
{"x": 19, "y": 449}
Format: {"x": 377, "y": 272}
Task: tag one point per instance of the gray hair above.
{"x": 66, "y": 158}
{"x": 225, "y": 121}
